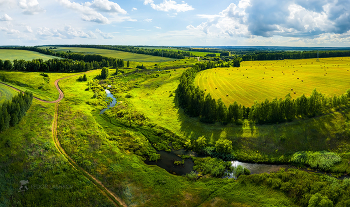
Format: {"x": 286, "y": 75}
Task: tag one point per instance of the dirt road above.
{"x": 115, "y": 199}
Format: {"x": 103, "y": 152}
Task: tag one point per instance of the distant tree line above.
{"x": 89, "y": 61}
{"x": 194, "y": 102}
{"x": 294, "y": 55}
{"x": 139, "y": 50}
{"x": 11, "y": 112}
{"x": 56, "y": 65}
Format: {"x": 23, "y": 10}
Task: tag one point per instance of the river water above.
{"x": 113, "y": 103}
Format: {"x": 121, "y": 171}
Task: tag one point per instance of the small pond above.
{"x": 113, "y": 103}
{"x": 167, "y": 159}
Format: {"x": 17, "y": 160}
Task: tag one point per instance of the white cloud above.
{"x": 9, "y": 31}
{"x": 28, "y": 29}
{"x": 148, "y": 20}
{"x": 67, "y": 32}
{"x": 168, "y": 5}
{"x": 30, "y": 7}
{"x": 106, "y": 6}
{"x": 5, "y": 17}
{"x": 105, "y": 35}
{"x": 89, "y": 11}
{"x": 157, "y": 27}
{"x": 88, "y": 14}
{"x": 134, "y": 9}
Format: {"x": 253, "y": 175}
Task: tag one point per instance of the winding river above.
{"x": 110, "y": 105}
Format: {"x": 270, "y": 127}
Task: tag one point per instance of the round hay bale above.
{"x": 294, "y": 92}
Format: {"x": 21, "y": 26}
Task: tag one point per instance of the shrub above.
{"x": 191, "y": 176}
{"x": 317, "y": 200}
{"x": 223, "y": 146}
{"x": 323, "y": 160}
{"x": 246, "y": 171}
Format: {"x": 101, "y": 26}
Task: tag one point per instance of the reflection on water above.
{"x": 113, "y": 103}
{"x": 258, "y": 168}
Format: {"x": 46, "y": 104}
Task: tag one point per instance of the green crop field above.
{"x": 116, "y": 54}
{"x": 260, "y": 80}
{"x": 6, "y": 93}
{"x": 8, "y": 54}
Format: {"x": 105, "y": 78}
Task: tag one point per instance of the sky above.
{"x": 304, "y": 23}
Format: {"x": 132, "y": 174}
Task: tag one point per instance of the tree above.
{"x": 128, "y": 64}
{"x": 1, "y": 64}
{"x": 8, "y": 65}
{"x": 221, "y": 112}
{"x": 104, "y": 73}
{"x": 223, "y": 146}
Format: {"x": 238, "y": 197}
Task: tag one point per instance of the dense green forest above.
{"x": 11, "y": 112}
{"x": 58, "y": 65}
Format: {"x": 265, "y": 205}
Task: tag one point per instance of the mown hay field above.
{"x": 116, "y": 54}
{"x": 260, "y": 80}
{"x": 11, "y": 54}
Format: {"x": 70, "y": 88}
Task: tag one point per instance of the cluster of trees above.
{"x": 52, "y": 65}
{"x": 82, "y": 78}
{"x": 293, "y": 55}
{"x": 11, "y": 112}
{"x": 288, "y": 109}
{"x": 196, "y": 104}
{"x": 57, "y": 65}
{"x": 139, "y": 50}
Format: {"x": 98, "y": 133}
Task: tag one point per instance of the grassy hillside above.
{"x": 6, "y": 93}
{"x": 28, "y": 153}
{"x": 8, "y": 54}
{"x": 155, "y": 99}
{"x": 258, "y": 80}
{"x": 41, "y": 87}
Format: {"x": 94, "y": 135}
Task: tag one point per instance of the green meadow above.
{"x": 113, "y": 146}
{"x": 9, "y": 54}
{"x": 6, "y": 93}
{"x": 260, "y": 80}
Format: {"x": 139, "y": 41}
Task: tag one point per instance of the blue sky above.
{"x": 176, "y": 22}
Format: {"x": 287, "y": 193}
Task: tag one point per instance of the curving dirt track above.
{"x": 112, "y": 197}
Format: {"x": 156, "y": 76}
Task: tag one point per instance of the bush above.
{"x": 246, "y": 171}
{"x": 191, "y": 176}
{"x": 211, "y": 166}
{"x": 323, "y": 160}
{"x": 223, "y": 146}
{"x": 317, "y": 200}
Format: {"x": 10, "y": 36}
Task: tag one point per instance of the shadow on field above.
{"x": 327, "y": 132}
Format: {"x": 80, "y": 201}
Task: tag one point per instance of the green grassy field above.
{"x": 260, "y": 80}
{"x": 6, "y": 93}
{"x": 9, "y": 54}
{"x": 116, "y": 54}
{"x": 106, "y": 148}
{"x": 155, "y": 99}
{"x": 40, "y": 86}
